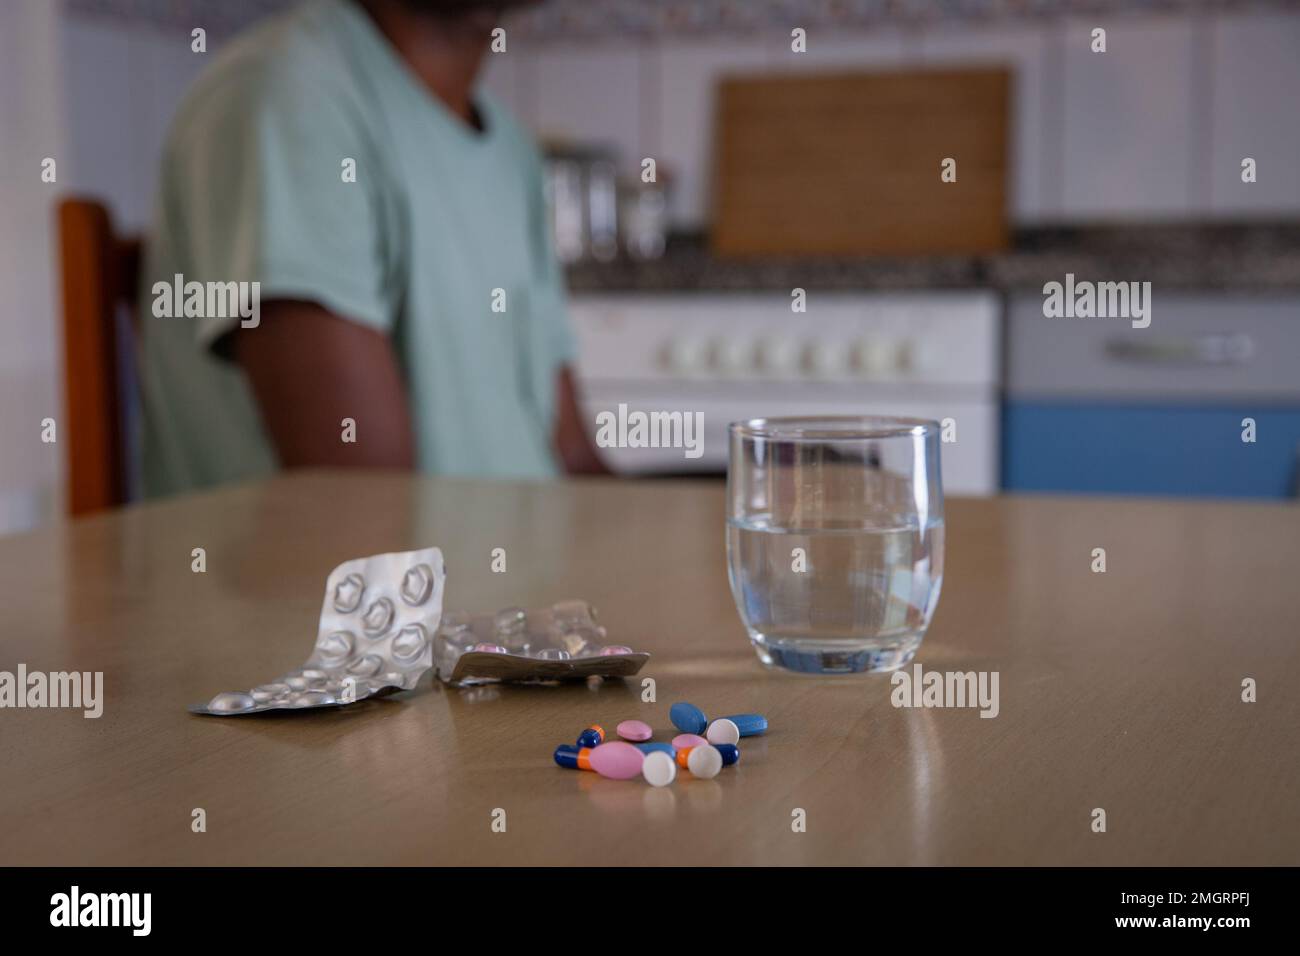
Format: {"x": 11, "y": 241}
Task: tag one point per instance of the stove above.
{"x": 719, "y": 358}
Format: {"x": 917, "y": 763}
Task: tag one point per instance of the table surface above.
{"x": 1118, "y": 690}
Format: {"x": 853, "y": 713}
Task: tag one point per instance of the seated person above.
{"x": 395, "y": 223}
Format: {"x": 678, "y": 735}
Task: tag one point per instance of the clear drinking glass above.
{"x": 835, "y": 539}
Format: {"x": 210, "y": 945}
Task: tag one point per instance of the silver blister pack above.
{"x": 376, "y": 631}
{"x": 560, "y": 642}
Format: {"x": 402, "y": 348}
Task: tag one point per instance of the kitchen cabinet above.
{"x": 1256, "y": 69}
{"x": 1130, "y": 118}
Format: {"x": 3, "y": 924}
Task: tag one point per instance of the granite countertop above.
{"x": 1241, "y": 258}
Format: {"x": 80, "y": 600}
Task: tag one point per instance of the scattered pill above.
{"x": 575, "y": 758}
{"x": 729, "y": 753}
{"x": 704, "y": 762}
{"x": 657, "y": 762}
{"x": 488, "y": 648}
{"x": 723, "y": 731}
{"x": 687, "y": 718}
{"x": 617, "y": 760}
{"x": 657, "y": 747}
{"x": 635, "y": 730}
{"x": 659, "y": 769}
{"x": 749, "y": 725}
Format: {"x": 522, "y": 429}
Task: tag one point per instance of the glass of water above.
{"x": 835, "y": 539}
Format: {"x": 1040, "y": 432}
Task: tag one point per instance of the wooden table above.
{"x": 1119, "y": 690}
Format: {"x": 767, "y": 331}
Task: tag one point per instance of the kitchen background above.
{"x": 1119, "y": 166}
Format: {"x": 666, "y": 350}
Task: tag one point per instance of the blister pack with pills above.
{"x": 375, "y": 636}
{"x": 560, "y": 642}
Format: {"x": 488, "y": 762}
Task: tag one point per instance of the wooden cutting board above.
{"x": 850, "y": 163}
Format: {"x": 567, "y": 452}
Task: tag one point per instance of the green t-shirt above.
{"x": 441, "y": 242}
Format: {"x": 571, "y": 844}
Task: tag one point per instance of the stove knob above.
{"x": 873, "y": 357}
{"x": 906, "y": 356}
{"x": 778, "y": 357}
{"x": 685, "y": 356}
{"x": 823, "y": 360}
{"x": 730, "y": 356}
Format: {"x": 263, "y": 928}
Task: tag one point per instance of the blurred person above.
{"x": 376, "y": 295}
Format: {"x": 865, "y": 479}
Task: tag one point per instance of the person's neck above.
{"x": 444, "y": 53}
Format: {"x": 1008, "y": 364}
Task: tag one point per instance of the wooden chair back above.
{"x": 101, "y": 272}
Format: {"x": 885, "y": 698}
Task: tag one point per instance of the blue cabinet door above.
{"x": 1150, "y": 449}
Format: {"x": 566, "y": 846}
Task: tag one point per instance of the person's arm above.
{"x": 310, "y": 369}
{"x": 571, "y": 441}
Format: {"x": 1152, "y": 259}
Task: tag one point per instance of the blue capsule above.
{"x": 651, "y": 747}
{"x": 730, "y": 753}
{"x": 593, "y": 736}
{"x": 688, "y": 718}
{"x": 566, "y": 755}
{"x": 749, "y": 725}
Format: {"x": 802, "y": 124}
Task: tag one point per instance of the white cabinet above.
{"x": 1130, "y": 141}
{"x": 1256, "y": 70}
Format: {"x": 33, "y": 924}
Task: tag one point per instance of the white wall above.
{"x": 96, "y": 96}
{"x": 124, "y": 83}
{"x": 32, "y": 128}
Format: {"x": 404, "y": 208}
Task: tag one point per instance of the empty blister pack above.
{"x": 560, "y": 642}
{"x": 375, "y": 635}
